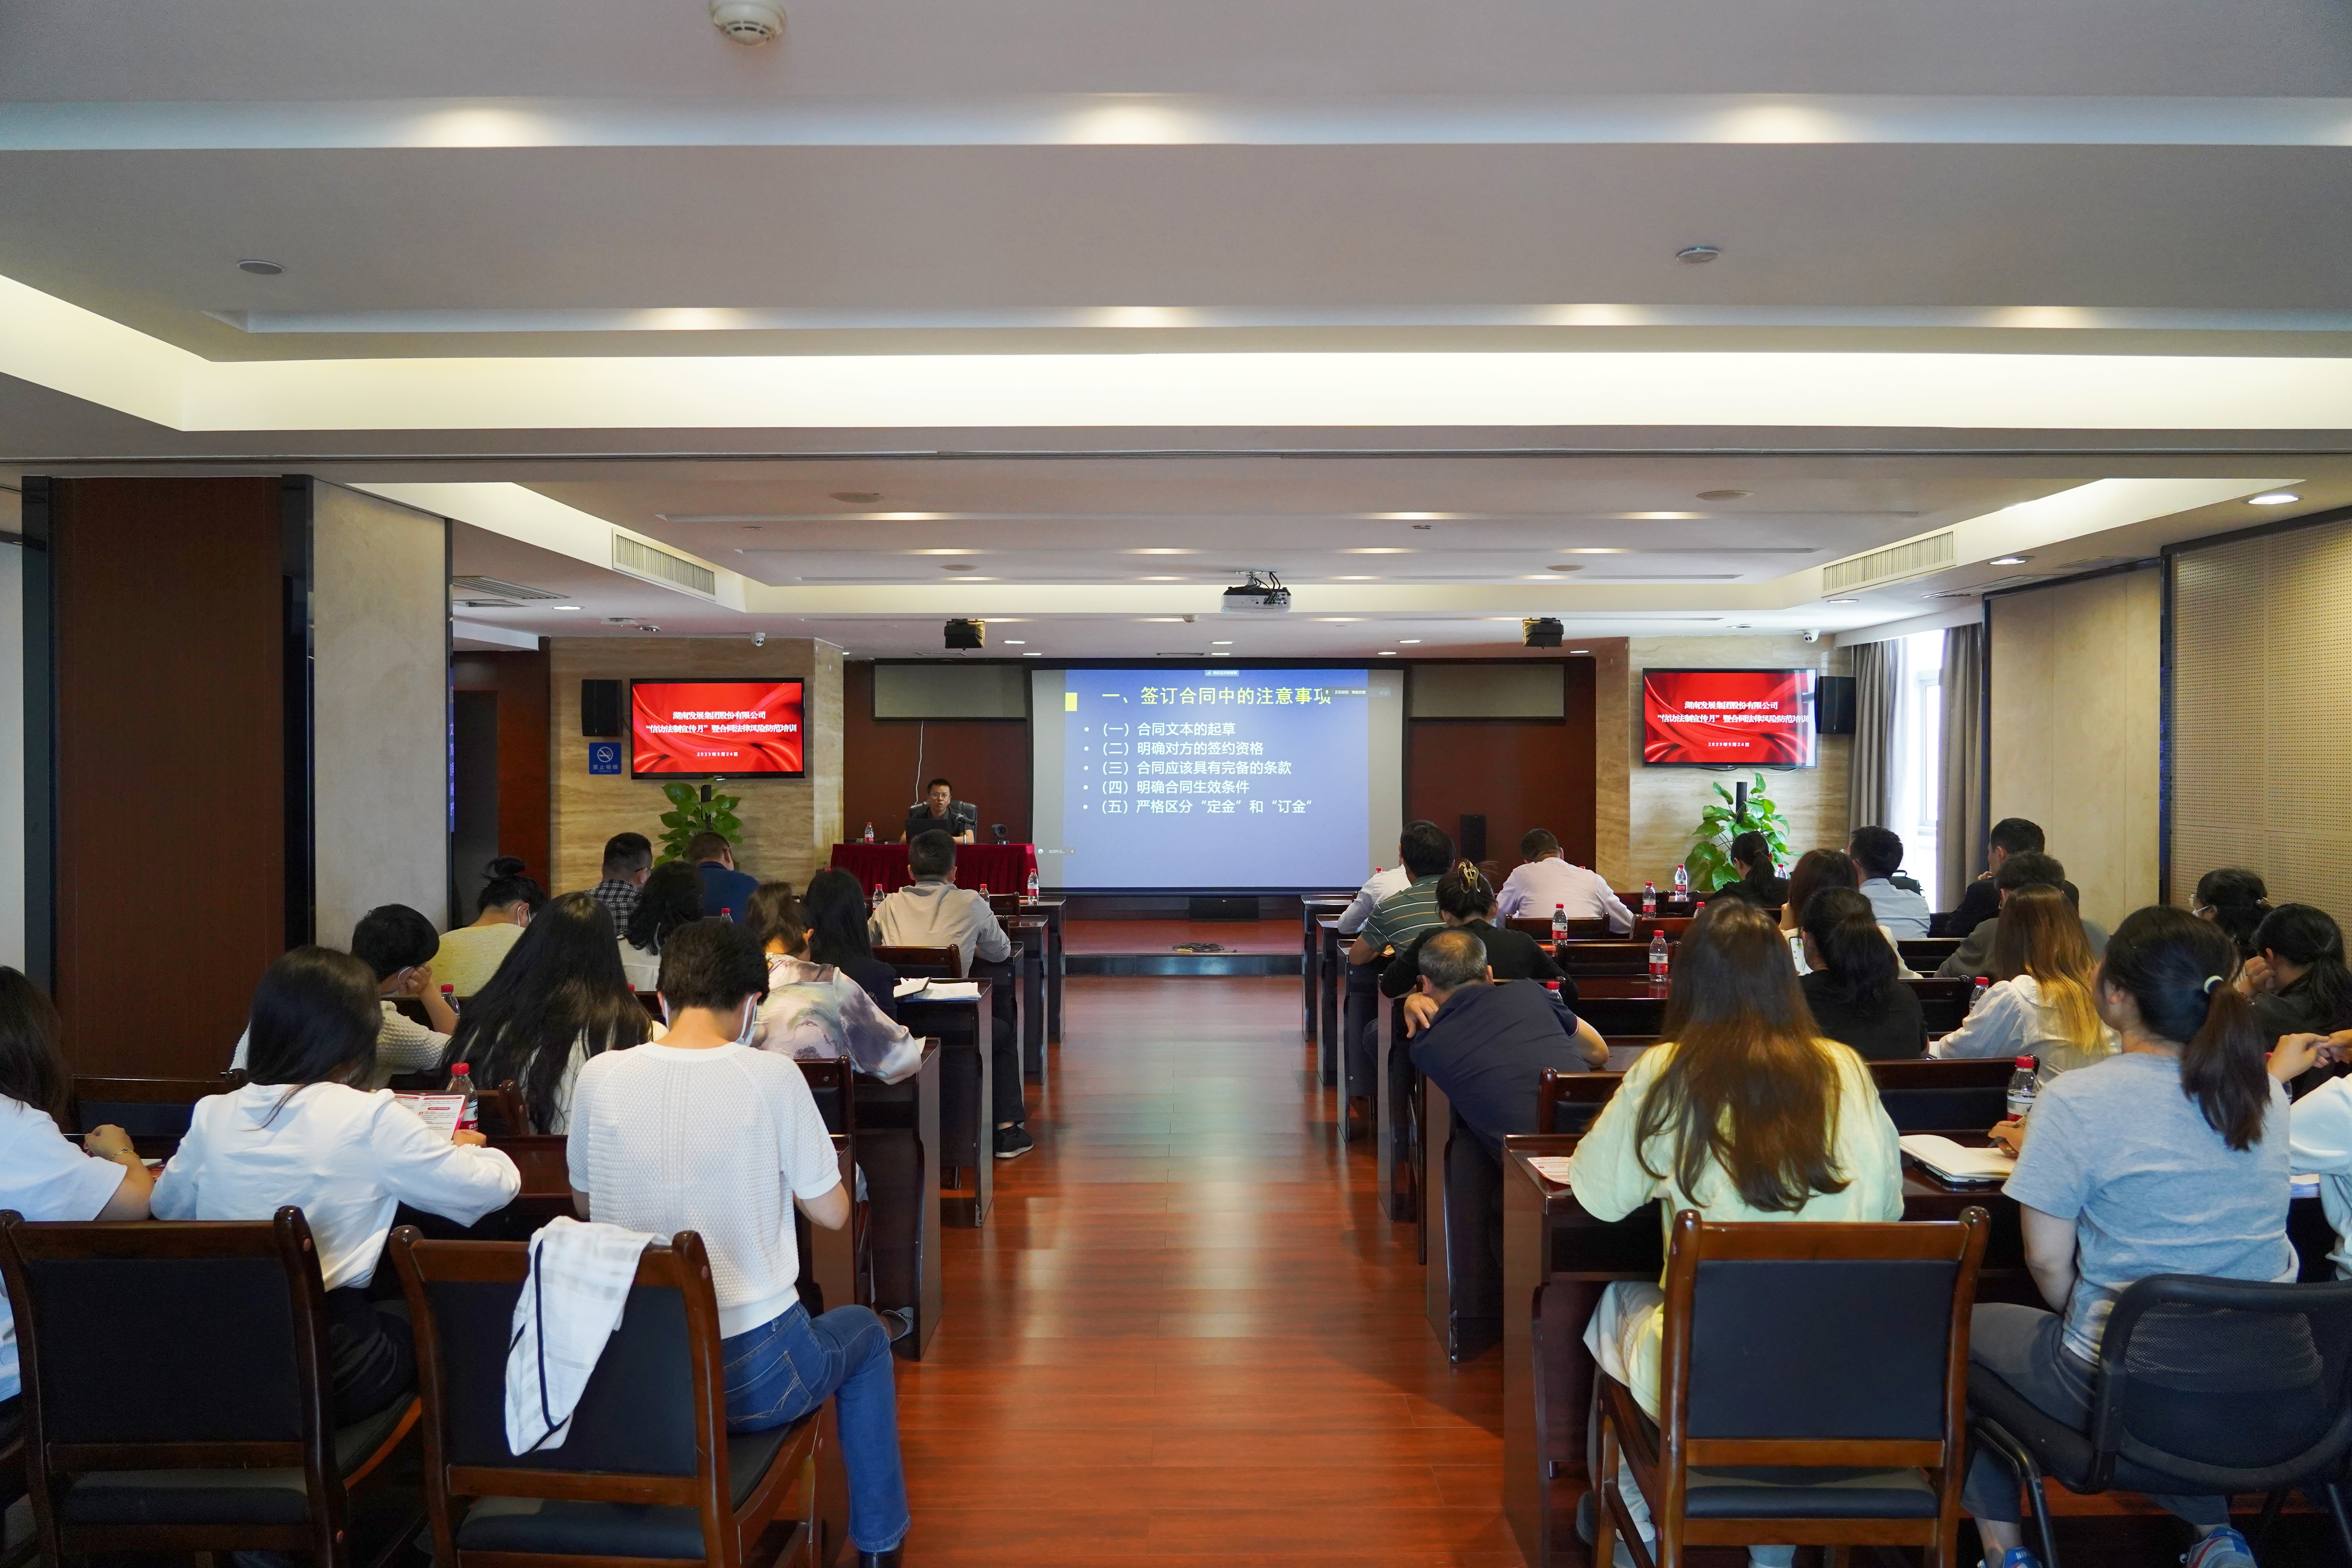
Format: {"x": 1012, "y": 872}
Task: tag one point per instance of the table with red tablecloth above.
{"x": 999, "y": 867}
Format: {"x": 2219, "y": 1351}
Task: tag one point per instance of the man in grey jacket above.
{"x": 1974, "y": 955}
{"x": 935, "y": 913}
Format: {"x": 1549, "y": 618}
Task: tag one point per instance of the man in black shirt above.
{"x": 940, "y": 811}
{"x": 1981, "y": 901}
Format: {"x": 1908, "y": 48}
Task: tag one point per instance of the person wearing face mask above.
{"x": 699, "y": 1131}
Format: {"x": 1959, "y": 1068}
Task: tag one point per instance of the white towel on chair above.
{"x": 570, "y": 1306}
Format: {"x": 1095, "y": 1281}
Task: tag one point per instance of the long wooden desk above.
{"x": 1314, "y": 909}
{"x": 1332, "y": 980}
{"x": 967, "y": 1125}
{"x": 1056, "y": 955}
{"x": 1031, "y": 934}
{"x": 897, "y": 1141}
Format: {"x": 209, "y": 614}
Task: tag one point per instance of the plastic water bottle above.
{"x": 725, "y": 913}
{"x": 449, "y": 995}
{"x": 1977, "y": 995}
{"x": 983, "y": 889}
{"x": 1559, "y": 922}
{"x": 869, "y": 834}
{"x": 1649, "y": 897}
{"x": 878, "y": 896}
{"x": 1682, "y": 884}
{"x": 1032, "y": 884}
{"x": 461, "y": 1081}
{"x": 2022, "y": 1087}
{"x": 1658, "y": 958}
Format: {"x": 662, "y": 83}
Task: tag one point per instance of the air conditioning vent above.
{"x": 487, "y": 591}
{"x": 1912, "y": 558}
{"x": 489, "y": 603}
{"x": 638, "y": 559}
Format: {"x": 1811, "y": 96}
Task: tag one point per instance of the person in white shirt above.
{"x": 935, "y": 913}
{"x": 399, "y": 944}
{"x": 1377, "y": 886}
{"x": 1878, "y": 852}
{"x": 701, "y": 1132}
{"x": 298, "y": 1134}
{"x": 814, "y": 1010}
{"x": 43, "y": 1176}
{"x": 2041, "y": 1004}
{"x": 559, "y": 999}
{"x": 1547, "y": 881}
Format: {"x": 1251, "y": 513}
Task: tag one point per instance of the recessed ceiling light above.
{"x": 259, "y": 267}
{"x": 2008, "y": 560}
{"x": 1409, "y": 516}
{"x": 1696, "y": 255}
{"x": 1222, "y": 642}
{"x": 2274, "y": 498}
{"x": 1580, "y": 650}
{"x": 1597, "y": 550}
{"x": 1387, "y": 653}
{"x": 1014, "y": 642}
{"x": 1564, "y": 566}
{"x": 1841, "y": 601}
{"x": 857, "y": 498}
{"x": 1160, "y": 579}
{"x": 1355, "y": 579}
{"x": 1157, "y": 550}
{"x": 1663, "y": 516}
{"x": 1215, "y": 655}
{"x": 1722, "y": 495}
{"x": 952, "y": 550}
{"x": 1407, "y": 641}
{"x": 563, "y": 607}
{"x": 1377, "y": 550}
{"x": 1161, "y": 620}
{"x": 1033, "y": 656}
{"x": 1342, "y": 620}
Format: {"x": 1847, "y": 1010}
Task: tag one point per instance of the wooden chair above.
{"x": 1926, "y": 953}
{"x": 146, "y": 1107}
{"x": 1579, "y": 1094}
{"x": 833, "y": 1084}
{"x": 1539, "y": 927}
{"x": 1925, "y": 1096}
{"x": 1647, "y": 926}
{"x": 502, "y": 1112}
{"x": 1579, "y": 959}
{"x": 1866, "y": 1386}
{"x": 177, "y": 1390}
{"x": 647, "y": 1473}
{"x": 1943, "y": 1003}
{"x": 930, "y": 963}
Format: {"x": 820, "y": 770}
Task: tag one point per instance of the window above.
{"x": 1914, "y": 783}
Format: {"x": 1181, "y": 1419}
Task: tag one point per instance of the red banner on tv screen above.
{"x": 738, "y": 728}
{"x": 1761, "y": 718}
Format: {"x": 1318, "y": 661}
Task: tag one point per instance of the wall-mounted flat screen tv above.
{"x": 701, "y": 729}
{"x": 1730, "y": 718}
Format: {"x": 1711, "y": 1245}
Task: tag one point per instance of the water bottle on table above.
{"x": 461, "y": 1081}
{"x": 1559, "y": 923}
{"x": 1658, "y": 961}
{"x": 2023, "y": 1085}
{"x": 1032, "y": 884}
{"x": 1649, "y": 897}
{"x": 1682, "y": 884}
{"x": 1977, "y": 995}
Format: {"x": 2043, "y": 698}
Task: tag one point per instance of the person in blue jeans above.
{"x": 699, "y": 1131}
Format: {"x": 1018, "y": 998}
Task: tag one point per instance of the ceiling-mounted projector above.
{"x": 963, "y": 633}
{"x": 1263, "y": 595}
{"x": 1539, "y": 631}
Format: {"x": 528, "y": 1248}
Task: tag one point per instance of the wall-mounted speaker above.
{"x": 1834, "y": 705}
{"x": 600, "y": 707}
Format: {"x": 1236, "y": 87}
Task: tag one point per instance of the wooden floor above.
{"x": 1184, "y": 1337}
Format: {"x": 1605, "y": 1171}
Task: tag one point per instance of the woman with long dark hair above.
{"x": 838, "y": 935}
{"x": 1851, "y": 982}
{"x": 2297, "y": 979}
{"x": 43, "y": 1176}
{"x": 2170, "y": 1157}
{"x": 670, "y": 900}
{"x": 1741, "y": 1111}
{"x": 1752, "y": 856}
{"x": 813, "y": 1009}
{"x": 469, "y": 955}
{"x": 560, "y": 998}
{"x": 300, "y": 1133}
{"x": 2234, "y": 898}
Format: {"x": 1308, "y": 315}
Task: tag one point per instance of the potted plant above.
{"x": 690, "y": 814}
{"x": 1709, "y": 857}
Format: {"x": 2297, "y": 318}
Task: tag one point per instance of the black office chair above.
{"x": 2205, "y": 1387}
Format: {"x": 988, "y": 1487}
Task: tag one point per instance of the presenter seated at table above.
{"x": 935, "y": 913}
{"x": 941, "y": 812}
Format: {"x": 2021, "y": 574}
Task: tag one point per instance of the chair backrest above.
{"x": 502, "y": 1112}
{"x": 1598, "y": 958}
{"x": 190, "y": 1345}
{"x": 1568, "y": 1101}
{"x": 1647, "y": 926}
{"x": 1926, "y": 953}
{"x": 1593, "y": 929}
{"x": 832, "y": 1084}
{"x": 146, "y": 1107}
{"x": 2229, "y": 1384}
{"x": 650, "y": 1426}
{"x": 1969, "y": 1093}
{"x": 1803, "y": 1344}
{"x": 930, "y": 962}
{"x": 1943, "y": 1003}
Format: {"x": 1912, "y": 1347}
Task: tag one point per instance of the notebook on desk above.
{"x": 942, "y": 991}
{"x": 1956, "y": 1163}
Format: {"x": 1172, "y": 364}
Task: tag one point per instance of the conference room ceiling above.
{"x": 1077, "y": 279}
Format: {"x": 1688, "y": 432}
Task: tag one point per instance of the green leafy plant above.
{"x": 1709, "y": 858}
{"x": 692, "y": 813}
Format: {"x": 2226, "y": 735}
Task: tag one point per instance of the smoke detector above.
{"x": 748, "y": 22}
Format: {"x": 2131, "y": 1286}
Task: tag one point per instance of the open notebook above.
{"x": 1957, "y": 1162}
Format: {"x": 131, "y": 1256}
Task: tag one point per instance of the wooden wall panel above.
{"x": 171, "y": 780}
{"x": 1519, "y": 772}
{"x": 522, "y": 680}
{"x": 988, "y": 759}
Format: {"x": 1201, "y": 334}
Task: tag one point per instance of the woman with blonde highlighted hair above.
{"x": 2039, "y": 1003}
